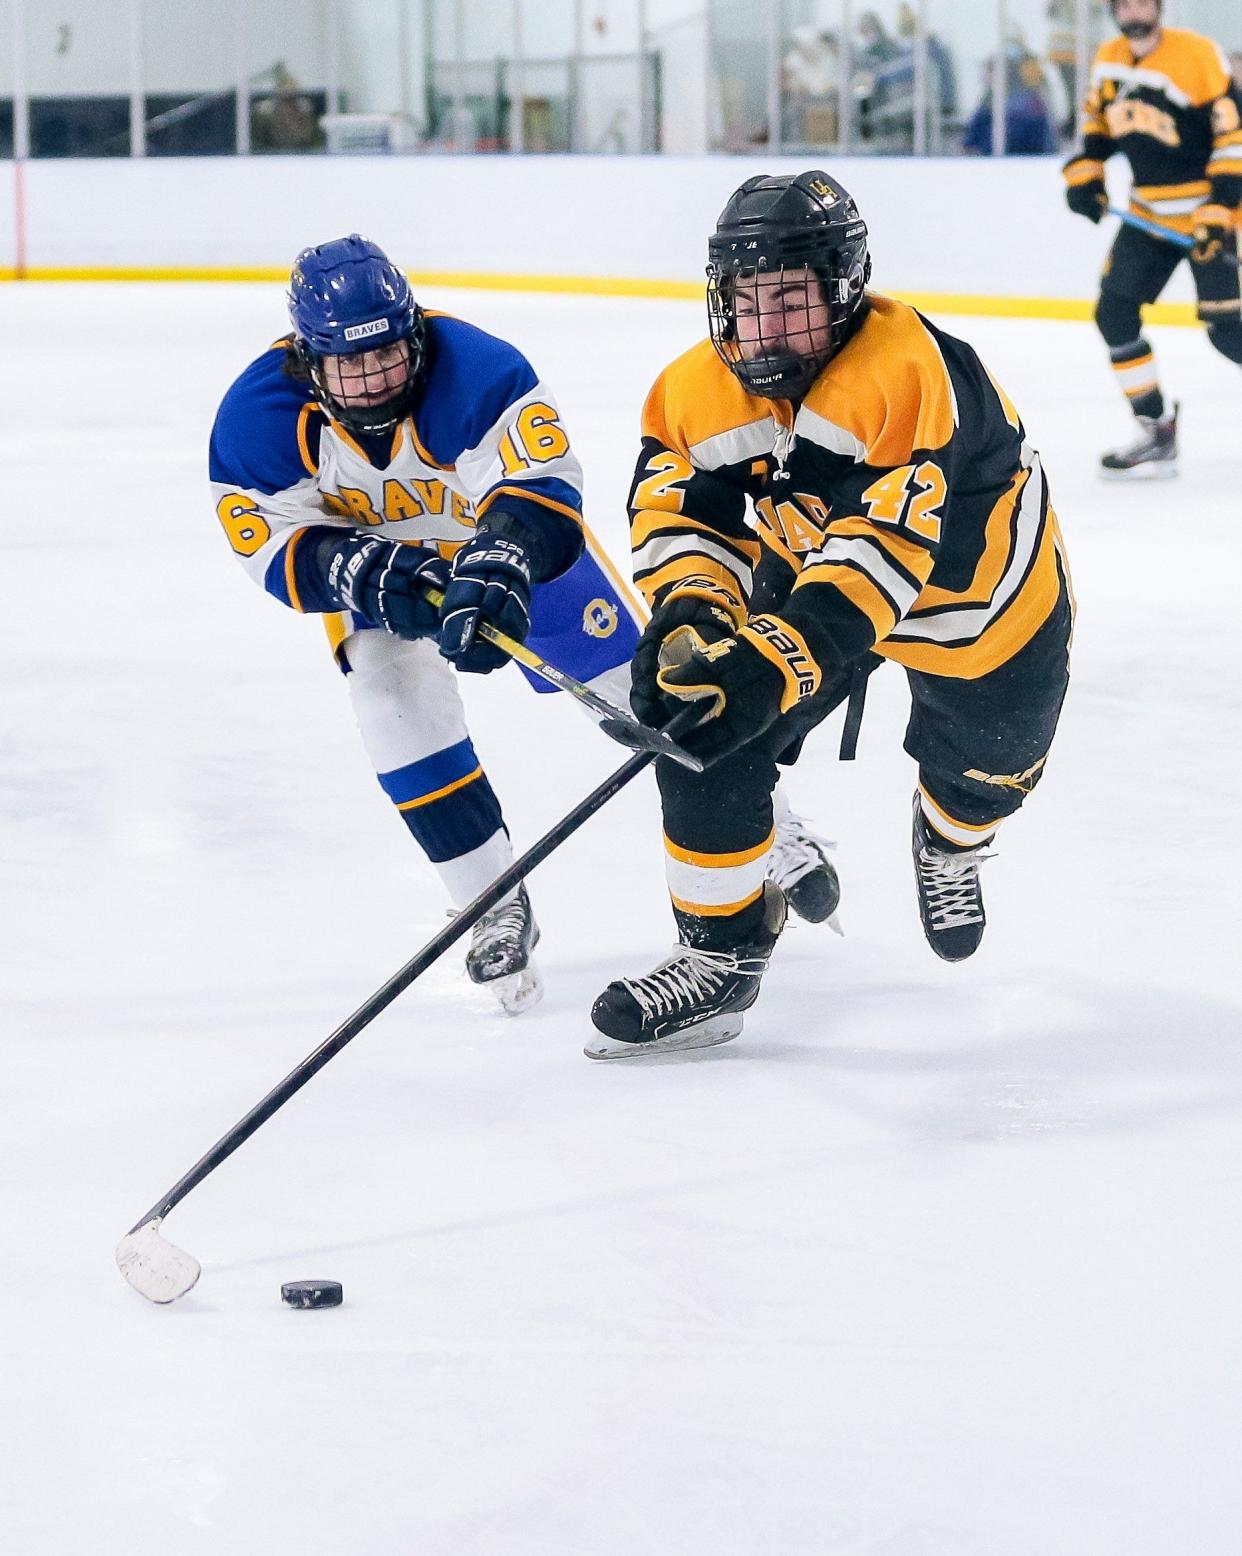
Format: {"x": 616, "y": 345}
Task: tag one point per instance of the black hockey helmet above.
{"x": 771, "y": 226}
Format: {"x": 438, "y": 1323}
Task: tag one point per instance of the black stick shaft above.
{"x": 400, "y": 981}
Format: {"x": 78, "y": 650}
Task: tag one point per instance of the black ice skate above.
{"x": 1152, "y": 458}
{"x": 950, "y": 897}
{"x": 695, "y": 999}
{"x": 800, "y": 866}
{"x": 500, "y": 954}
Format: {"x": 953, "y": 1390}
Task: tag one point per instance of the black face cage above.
{"x": 383, "y": 415}
{"x": 778, "y": 372}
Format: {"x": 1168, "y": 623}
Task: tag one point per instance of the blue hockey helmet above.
{"x": 348, "y": 300}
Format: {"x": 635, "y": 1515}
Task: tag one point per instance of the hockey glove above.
{"x": 1085, "y": 193}
{"x": 711, "y": 622}
{"x": 1214, "y": 233}
{"x": 489, "y": 586}
{"x": 748, "y": 681}
{"x": 385, "y": 581}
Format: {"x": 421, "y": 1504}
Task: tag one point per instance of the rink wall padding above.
{"x": 966, "y": 235}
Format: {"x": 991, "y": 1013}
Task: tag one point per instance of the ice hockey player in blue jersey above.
{"x": 381, "y": 448}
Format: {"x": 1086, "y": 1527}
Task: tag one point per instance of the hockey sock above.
{"x": 950, "y": 834}
{"x": 1135, "y": 367}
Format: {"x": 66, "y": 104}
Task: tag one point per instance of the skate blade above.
{"x": 706, "y": 1034}
{"x": 1161, "y": 472}
{"x": 519, "y": 992}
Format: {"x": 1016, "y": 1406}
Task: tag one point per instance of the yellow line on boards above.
{"x": 965, "y": 303}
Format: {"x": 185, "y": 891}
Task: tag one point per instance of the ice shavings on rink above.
{"x": 932, "y": 1259}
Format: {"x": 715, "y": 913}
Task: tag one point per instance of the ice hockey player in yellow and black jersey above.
{"x": 899, "y": 514}
{"x": 1165, "y": 99}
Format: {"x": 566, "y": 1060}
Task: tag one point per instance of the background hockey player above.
{"x": 349, "y": 463}
{"x": 901, "y": 514}
{"x": 1166, "y": 99}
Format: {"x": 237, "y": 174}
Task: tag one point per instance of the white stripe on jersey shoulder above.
{"x": 735, "y": 444}
{"x": 818, "y": 429}
{"x": 477, "y": 466}
{"x": 1136, "y": 75}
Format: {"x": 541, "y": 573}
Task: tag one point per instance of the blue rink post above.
{"x": 582, "y": 623}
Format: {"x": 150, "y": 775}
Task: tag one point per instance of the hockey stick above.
{"x": 162, "y": 1272}
{"x": 1179, "y": 240}
{"x": 615, "y": 722}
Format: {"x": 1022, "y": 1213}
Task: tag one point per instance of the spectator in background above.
{"x": 286, "y": 120}
{"x": 811, "y": 78}
{"x": 1235, "y": 68}
{"x": 942, "y": 79}
{"x": 876, "y": 46}
{"x": 1028, "y": 124}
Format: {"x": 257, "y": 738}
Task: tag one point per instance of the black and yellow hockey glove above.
{"x": 711, "y": 621}
{"x": 747, "y": 680}
{"x": 1085, "y": 193}
{"x": 1215, "y": 233}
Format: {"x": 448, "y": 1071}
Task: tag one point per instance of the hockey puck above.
{"x": 312, "y": 1293}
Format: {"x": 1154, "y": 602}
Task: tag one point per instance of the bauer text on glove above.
{"x": 489, "y": 586}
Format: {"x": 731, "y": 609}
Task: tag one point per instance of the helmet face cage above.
{"x": 349, "y": 303}
{"x": 366, "y": 373}
{"x": 786, "y": 347}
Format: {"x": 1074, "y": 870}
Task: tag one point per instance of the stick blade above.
{"x": 154, "y": 1267}
{"x": 641, "y": 737}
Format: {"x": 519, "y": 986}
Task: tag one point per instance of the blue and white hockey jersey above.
{"x": 485, "y": 436}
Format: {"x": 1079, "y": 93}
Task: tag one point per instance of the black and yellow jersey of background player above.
{"x": 899, "y": 507}
{"x": 1176, "y": 116}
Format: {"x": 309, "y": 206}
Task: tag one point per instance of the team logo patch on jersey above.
{"x": 363, "y": 331}
{"x": 599, "y": 619}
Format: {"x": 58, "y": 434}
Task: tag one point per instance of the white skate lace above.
{"x": 503, "y": 924}
{"x": 951, "y": 887}
{"x": 689, "y": 974}
{"x": 796, "y": 851}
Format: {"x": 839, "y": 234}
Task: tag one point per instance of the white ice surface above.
{"x": 934, "y": 1261}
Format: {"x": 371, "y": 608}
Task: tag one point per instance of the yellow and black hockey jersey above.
{"x": 899, "y": 507}
{"x": 1175, "y": 115}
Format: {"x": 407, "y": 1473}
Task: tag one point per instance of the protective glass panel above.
{"x": 811, "y": 75}
{"x": 7, "y": 80}
{"x": 680, "y": 84}
{"x": 190, "y": 69}
{"x": 78, "y": 70}
{"x": 739, "y": 53}
{"x": 616, "y": 107}
{"x": 289, "y": 73}
{"x": 540, "y": 91}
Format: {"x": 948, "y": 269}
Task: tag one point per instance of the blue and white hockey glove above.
{"x": 385, "y": 581}
{"x": 489, "y": 586}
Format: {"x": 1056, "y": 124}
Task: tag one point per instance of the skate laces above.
{"x": 690, "y": 974}
{"x": 508, "y": 922}
{"x": 796, "y": 852}
{"x": 951, "y": 886}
